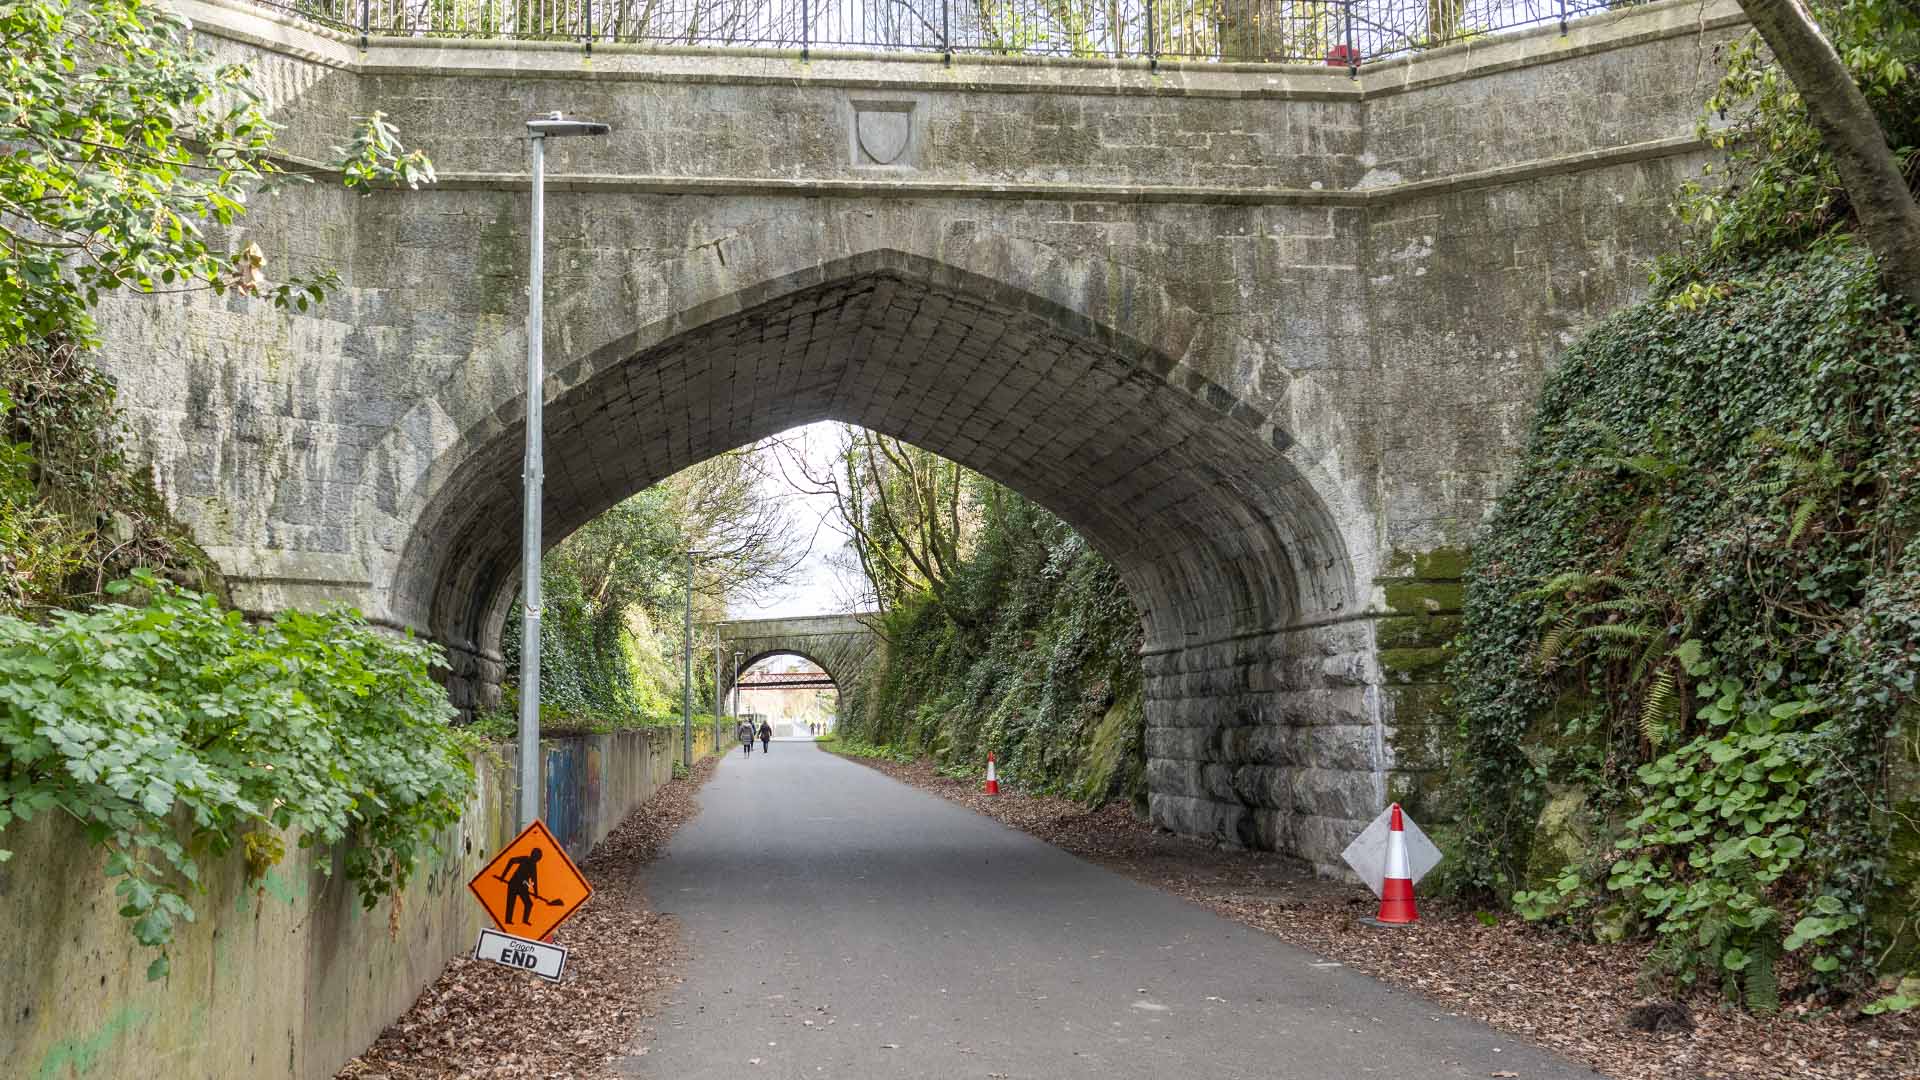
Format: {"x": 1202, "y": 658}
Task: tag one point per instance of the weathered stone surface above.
{"x": 1246, "y": 329}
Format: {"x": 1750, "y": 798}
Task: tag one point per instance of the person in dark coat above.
{"x": 766, "y": 735}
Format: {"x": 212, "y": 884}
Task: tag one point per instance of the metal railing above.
{"x": 1342, "y": 33}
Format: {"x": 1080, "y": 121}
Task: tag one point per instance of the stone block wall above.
{"x": 1271, "y": 741}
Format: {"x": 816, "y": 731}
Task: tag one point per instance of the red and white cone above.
{"x": 1396, "y": 890}
{"x": 993, "y": 781}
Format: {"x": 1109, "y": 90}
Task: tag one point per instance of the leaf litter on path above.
{"x": 479, "y": 1019}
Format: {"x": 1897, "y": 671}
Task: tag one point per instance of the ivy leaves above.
{"x": 1699, "y": 604}
{"x": 1030, "y": 651}
{"x": 174, "y": 730}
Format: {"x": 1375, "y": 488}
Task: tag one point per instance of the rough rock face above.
{"x": 1265, "y": 336}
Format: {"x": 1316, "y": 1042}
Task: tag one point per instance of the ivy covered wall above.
{"x": 1031, "y": 653}
{"x": 1692, "y": 632}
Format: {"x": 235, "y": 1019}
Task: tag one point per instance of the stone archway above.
{"x": 841, "y": 645}
{"x": 1264, "y": 724}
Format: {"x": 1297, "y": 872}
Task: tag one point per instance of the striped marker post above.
{"x": 993, "y": 781}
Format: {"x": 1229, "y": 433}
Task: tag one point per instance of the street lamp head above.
{"x": 555, "y": 125}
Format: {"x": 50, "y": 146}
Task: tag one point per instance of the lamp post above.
{"x": 538, "y": 131}
{"x": 736, "y": 684}
{"x": 686, "y": 697}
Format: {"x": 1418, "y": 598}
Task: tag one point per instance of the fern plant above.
{"x": 1619, "y": 621}
{"x": 1797, "y": 477}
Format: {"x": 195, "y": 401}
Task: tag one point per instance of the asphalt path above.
{"x": 841, "y": 924}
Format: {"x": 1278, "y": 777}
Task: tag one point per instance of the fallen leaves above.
{"x": 483, "y": 1020}
{"x": 1570, "y": 996}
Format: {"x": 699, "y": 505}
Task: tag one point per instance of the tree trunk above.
{"x": 1889, "y": 218}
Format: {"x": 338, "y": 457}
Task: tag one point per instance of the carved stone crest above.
{"x": 882, "y": 132}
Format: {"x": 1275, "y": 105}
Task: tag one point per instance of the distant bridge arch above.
{"x": 842, "y": 645}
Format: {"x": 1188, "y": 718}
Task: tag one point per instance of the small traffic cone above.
{"x": 993, "y": 782}
{"x": 1396, "y": 890}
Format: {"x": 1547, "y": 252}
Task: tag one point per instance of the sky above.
{"x": 819, "y": 588}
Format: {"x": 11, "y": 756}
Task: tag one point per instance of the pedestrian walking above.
{"x": 766, "y": 735}
{"x": 745, "y": 734}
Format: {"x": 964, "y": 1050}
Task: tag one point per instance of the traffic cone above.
{"x": 1396, "y": 890}
{"x": 993, "y": 782}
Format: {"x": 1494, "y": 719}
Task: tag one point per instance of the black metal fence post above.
{"x": 946, "y": 32}
{"x": 365, "y": 19}
{"x": 588, "y": 4}
{"x": 1563, "y": 18}
{"x": 806, "y": 27}
{"x": 1153, "y": 46}
{"x": 1353, "y": 54}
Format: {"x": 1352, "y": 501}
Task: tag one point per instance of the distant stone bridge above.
{"x": 841, "y": 645}
{"x": 1267, "y": 336}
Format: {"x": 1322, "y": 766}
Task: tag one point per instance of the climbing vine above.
{"x": 130, "y": 155}
{"x": 1775, "y": 186}
{"x": 1695, "y": 616}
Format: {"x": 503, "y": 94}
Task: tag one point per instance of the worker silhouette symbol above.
{"x": 522, "y": 875}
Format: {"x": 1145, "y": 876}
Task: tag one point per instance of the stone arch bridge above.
{"x": 1267, "y": 336}
{"x": 840, "y": 645}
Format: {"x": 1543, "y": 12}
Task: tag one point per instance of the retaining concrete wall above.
{"x": 286, "y": 977}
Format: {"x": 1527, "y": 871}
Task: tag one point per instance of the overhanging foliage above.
{"x": 175, "y": 730}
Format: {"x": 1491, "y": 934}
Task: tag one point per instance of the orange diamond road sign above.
{"x": 531, "y": 886}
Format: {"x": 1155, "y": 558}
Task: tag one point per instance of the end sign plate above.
{"x": 544, "y": 960}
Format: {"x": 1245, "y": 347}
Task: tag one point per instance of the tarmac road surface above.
{"x": 886, "y": 933}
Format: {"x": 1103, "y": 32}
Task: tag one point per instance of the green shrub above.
{"x": 853, "y": 747}
{"x": 174, "y": 730}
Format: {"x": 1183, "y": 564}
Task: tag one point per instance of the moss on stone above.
{"x": 1113, "y": 765}
{"x": 1414, "y": 665}
{"x": 1423, "y": 597}
{"x": 1438, "y": 564}
{"x": 1562, "y": 836}
{"x": 1415, "y": 631}
{"x": 1419, "y": 747}
{"x": 1421, "y": 794}
{"x": 1417, "y": 704}
{"x": 1895, "y": 912}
